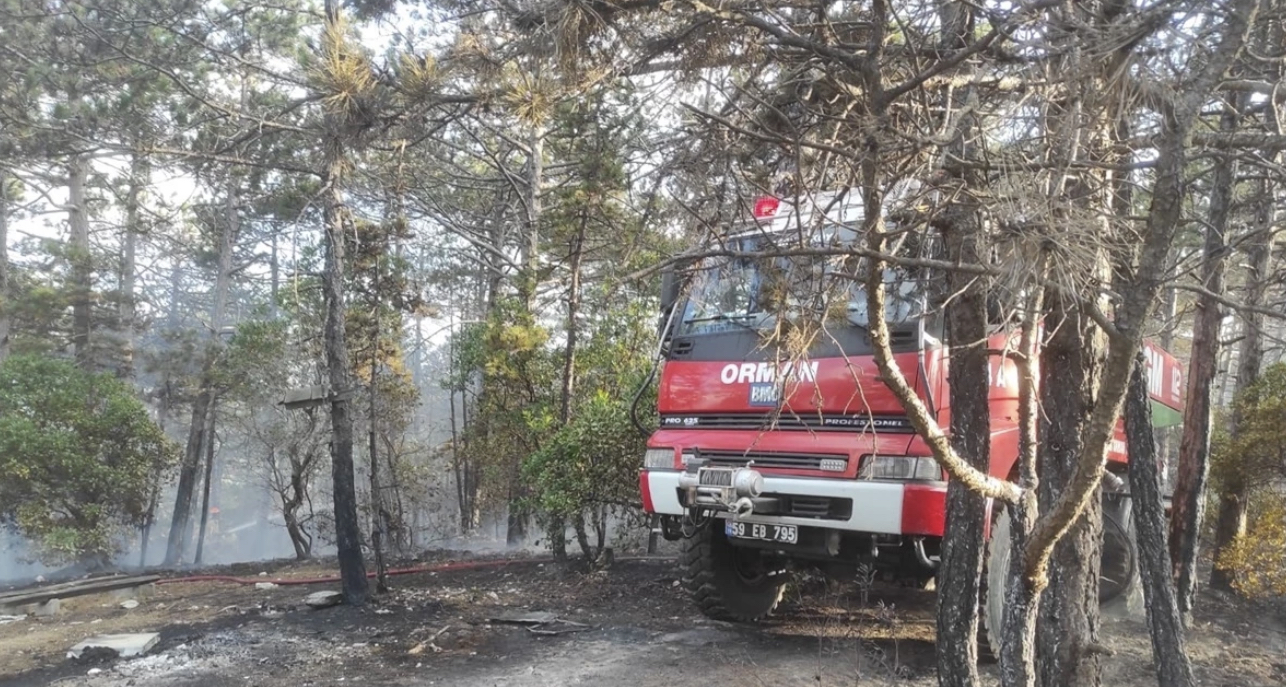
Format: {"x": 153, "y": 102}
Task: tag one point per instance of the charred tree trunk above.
{"x": 207, "y": 482}
{"x": 1022, "y": 593}
{"x": 1165, "y": 624}
{"x": 959, "y": 578}
{"x": 348, "y": 530}
{"x": 963, "y": 544}
{"x": 348, "y": 534}
{"x": 1070, "y": 367}
{"x": 1194, "y": 446}
{"x": 180, "y": 522}
{"x": 81, "y": 260}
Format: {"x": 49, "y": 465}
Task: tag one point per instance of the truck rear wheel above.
{"x": 730, "y": 582}
{"x": 1119, "y": 573}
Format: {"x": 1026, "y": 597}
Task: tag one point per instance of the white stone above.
{"x": 265, "y": 585}
{"x": 125, "y": 646}
{"x": 324, "y": 599}
{"x": 129, "y": 604}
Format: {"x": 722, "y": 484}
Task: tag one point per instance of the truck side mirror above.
{"x": 669, "y": 288}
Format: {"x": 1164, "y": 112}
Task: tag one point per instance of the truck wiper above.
{"x": 738, "y": 320}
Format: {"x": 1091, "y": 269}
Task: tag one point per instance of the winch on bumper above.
{"x": 732, "y": 490}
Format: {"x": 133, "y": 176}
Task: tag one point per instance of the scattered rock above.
{"x": 324, "y": 599}
{"x": 129, "y": 604}
{"x": 263, "y": 574}
{"x": 265, "y": 585}
{"x": 40, "y": 579}
{"x": 6, "y": 619}
{"x": 94, "y": 671}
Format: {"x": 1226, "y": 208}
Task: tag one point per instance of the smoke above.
{"x": 14, "y": 552}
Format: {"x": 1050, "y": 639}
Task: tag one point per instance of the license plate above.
{"x": 786, "y": 534}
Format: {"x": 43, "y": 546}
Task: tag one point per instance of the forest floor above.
{"x": 639, "y": 628}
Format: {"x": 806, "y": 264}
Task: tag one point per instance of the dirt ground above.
{"x": 639, "y": 629}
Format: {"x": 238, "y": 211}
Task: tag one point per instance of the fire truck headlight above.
{"x": 900, "y": 468}
{"x": 659, "y": 458}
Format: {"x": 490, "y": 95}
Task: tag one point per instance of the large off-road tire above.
{"x": 729, "y": 582}
{"x": 995, "y": 568}
{"x": 1118, "y": 588}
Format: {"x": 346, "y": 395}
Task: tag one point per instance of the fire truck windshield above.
{"x": 753, "y": 292}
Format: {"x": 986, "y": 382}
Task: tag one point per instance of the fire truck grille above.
{"x": 779, "y": 461}
{"x": 822, "y": 507}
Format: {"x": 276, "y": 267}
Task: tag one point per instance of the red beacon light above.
{"x": 766, "y": 207}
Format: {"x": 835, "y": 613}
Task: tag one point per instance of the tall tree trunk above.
{"x": 558, "y": 523}
{"x": 1194, "y": 447}
{"x": 1165, "y": 624}
{"x": 1234, "y": 487}
{"x": 1023, "y": 593}
{"x": 206, "y": 483}
{"x": 347, "y": 525}
{"x": 517, "y": 517}
{"x": 5, "y": 318}
{"x": 82, "y": 286}
{"x": 963, "y": 544}
{"x": 138, "y": 178}
{"x": 180, "y": 522}
{"x": 1070, "y": 366}
{"x": 348, "y": 532}
{"x": 379, "y": 516}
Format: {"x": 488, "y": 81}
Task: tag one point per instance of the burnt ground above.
{"x": 641, "y": 631}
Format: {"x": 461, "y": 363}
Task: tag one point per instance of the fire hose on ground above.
{"x": 435, "y": 568}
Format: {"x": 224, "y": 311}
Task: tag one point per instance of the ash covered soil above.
{"x": 636, "y": 627}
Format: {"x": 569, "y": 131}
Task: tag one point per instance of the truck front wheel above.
{"x": 1119, "y": 574}
{"x": 730, "y": 582}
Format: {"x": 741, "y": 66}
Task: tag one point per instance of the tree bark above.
{"x": 1023, "y": 592}
{"x": 81, "y": 260}
{"x": 963, "y": 544}
{"x": 1194, "y": 446}
{"x": 180, "y": 521}
{"x": 206, "y": 483}
{"x": 1165, "y": 624}
{"x": 1070, "y": 368}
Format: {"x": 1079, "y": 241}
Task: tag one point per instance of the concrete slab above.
{"x": 45, "y": 609}
{"x": 125, "y": 646}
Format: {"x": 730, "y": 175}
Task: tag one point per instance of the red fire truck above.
{"x": 764, "y": 460}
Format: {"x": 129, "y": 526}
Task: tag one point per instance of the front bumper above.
{"x": 879, "y": 507}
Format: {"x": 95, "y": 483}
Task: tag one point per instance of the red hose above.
{"x": 440, "y": 567}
